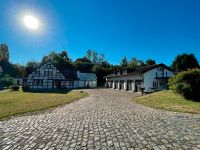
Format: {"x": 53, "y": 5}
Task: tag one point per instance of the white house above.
{"x": 87, "y": 79}
{"x": 149, "y": 78}
{"x": 49, "y": 76}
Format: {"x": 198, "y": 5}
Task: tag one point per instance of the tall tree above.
{"x": 184, "y": 62}
{"x": 4, "y": 52}
{"x": 150, "y": 62}
{"x": 89, "y": 54}
{"x": 101, "y": 58}
{"x": 60, "y": 59}
{"x": 94, "y": 57}
{"x": 124, "y": 62}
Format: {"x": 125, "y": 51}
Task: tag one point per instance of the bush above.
{"x": 187, "y": 83}
{"x": 6, "y": 81}
{"x": 15, "y": 87}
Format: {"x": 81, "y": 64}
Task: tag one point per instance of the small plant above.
{"x": 15, "y": 87}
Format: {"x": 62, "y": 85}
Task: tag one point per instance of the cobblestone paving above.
{"x": 107, "y": 119}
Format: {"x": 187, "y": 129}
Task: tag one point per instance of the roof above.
{"x": 87, "y": 76}
{"x": 68, "y": 73}
{"x": 137, "y": 71}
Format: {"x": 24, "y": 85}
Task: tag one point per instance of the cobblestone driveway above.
{"x": 107, "y": 119}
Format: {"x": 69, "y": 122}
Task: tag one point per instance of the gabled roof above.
{"x": 66, "y": 72}
{"x": 138, "y": 71}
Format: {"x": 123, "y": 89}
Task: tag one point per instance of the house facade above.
{"x": 49, "y": 76}
{"x": 149, "y": 78}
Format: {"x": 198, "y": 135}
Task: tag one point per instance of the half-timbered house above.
{"x": 49, "y": 76}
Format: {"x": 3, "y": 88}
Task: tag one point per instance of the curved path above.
{"x": 107, "y": 119}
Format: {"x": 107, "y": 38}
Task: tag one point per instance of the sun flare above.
{"x": 31, "y": 22}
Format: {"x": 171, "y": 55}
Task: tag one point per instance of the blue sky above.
{"x": 140, "y": 29}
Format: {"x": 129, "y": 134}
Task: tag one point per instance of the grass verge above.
{"x": 168, "y": 100}
{"x": 19, "y": 102}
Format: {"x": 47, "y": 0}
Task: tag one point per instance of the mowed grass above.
{"x": 18, "y": 102}
{"x": 168, "y": 100}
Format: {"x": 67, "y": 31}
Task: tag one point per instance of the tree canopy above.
{"x": 184, "y": 62}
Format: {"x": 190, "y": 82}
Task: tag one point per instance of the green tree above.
{"x": 184, "y": 62}
{"x": 134, "y": 63}
{"x": 6, "y": 81}
{"x": 89, "y": 54}
{"x": 13, "y": 70}
{"x": 124, "y": 62}
{"x": 61, "y": 60}
{"x": 4, "y": 52}
{"x": 150, "y": 62}
{"x": 94, "y": 57}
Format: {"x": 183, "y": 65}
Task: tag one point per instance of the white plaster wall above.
{"x": 149, "y": 77}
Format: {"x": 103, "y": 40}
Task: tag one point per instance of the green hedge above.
{"x": 187, "y": 83}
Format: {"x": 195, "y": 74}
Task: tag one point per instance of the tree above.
{"x": 150, "y": 62}
{"x": 59, "y": 59}
{"x": 13, "y": 70}
{"x": 134, "y": 63}
{"x": 32, "y": 64}
{"x": 4, "y": 52}
{"x": 184, "y": 62}
{"x": 83, "y": 60}
{"x": 89, "y": 54}
{"x": 101, "y": 58}
{"x": 124, "y": 62}
{"x": 6, "y": 81}
{"x": 94, "y": 57}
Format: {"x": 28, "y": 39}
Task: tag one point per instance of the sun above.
{"x": 31, "y": 22}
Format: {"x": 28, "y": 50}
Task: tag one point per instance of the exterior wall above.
{"x": 150, "y": 77}
{"x": 86, "y": 83}
{"x": 146, "y": 80}
{"x": 48, "y": 74}
{"x": 87, "y": 80}
{"x": 124, "y": 82}
{"x": 19, "y": 81}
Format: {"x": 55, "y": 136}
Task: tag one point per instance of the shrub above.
{"x": 15, "y": 87}
{"x": 187, "y": 83}
{"x": 6, "y": 81}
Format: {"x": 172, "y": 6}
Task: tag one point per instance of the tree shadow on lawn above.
{"x": 57, "y": 91}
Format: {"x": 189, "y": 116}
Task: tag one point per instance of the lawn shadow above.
{"x": 57, "y": 91}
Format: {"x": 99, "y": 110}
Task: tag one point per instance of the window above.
{"x": 37, "y": 82}
{"x": 48, "y": 66}
{"x": 50, "y": 73}
{"x": 155, "y": 84}
{"x": 46, "y": 73}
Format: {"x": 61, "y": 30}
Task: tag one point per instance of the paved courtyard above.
{"x": 107, "y": 119}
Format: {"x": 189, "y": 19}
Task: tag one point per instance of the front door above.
{"x": 58, "y": 84}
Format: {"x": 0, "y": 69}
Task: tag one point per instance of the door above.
{"x": 58, "y": 84}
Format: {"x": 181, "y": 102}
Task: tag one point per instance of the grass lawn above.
{"x": 18, "y": 102}
{"x": 168, "y": 100}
